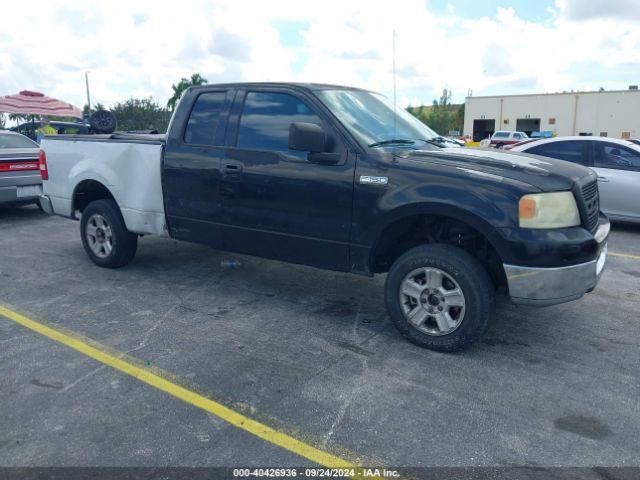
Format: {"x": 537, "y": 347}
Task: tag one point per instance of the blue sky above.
{"x": 531, "y": 10}
{"x": 490, "y": 47}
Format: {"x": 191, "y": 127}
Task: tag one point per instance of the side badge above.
{"x": 369, "y": 180}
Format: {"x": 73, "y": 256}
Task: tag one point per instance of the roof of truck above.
{"x": 308, "y": 86}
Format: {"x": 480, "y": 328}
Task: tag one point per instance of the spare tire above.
{"x": 103, "y": 121}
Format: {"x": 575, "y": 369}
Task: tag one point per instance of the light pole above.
{"x": 86, "y": 80}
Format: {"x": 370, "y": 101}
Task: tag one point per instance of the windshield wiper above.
{"x": 437, "y": 141}
{"x": 393, "y": 141}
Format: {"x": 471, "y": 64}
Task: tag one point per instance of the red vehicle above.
{"x": 502, "y": 138}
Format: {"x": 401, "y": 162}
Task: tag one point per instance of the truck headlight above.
{"x": 548, "y": 210}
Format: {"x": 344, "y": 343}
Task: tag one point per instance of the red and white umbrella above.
{"x": 35, "y": 103}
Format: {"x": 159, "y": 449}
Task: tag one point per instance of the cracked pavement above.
{"x": 308, "y": 351}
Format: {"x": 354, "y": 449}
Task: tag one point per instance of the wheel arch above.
{"x": 87, "y": 191}
{"x": 414, "y": 225}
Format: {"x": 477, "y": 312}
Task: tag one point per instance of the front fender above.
{"x": 481, "y": 200}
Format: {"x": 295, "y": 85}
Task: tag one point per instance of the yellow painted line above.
{"x": 625, "y": 255}
{"x": 113, "y": 359}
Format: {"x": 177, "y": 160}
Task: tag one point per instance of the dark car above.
{"x": 20, "y": 181}
{"x": 29, "y": 129}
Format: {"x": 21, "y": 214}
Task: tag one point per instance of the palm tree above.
{"x": 183, "y": 84}
{"x": 95, "y": 108}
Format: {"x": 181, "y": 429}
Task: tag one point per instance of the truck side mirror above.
{"x": 306, "y": 137}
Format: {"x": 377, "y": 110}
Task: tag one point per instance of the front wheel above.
{"x": 439, "y": 297}
{"x": 105, "y": 237}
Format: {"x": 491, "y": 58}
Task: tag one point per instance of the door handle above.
{"x": 232, "y": 168}
{"x": 602, "y": 179}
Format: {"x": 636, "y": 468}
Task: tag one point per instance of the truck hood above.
{"x": 547, "y": 174}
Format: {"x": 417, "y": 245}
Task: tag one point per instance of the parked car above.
{"x": 617, "y": 163}
{"x": 331, "y": 177}
{"x": 20, "y": 181}
{"x": 523, "y": 142}
{"x": 29, "y": 129}
{"x": 502, "y": 138}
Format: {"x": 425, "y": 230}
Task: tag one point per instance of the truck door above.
{"x": 192, "y": 161}
{"x": 275, "y": 202}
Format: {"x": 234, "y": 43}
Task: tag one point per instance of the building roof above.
{"x": 554, "y": 94}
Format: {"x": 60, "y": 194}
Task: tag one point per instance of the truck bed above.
{"x": 118, "y": 136}
{"x": 128, "y": 165}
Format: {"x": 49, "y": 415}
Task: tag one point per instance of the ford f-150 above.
{"x": 337, "y": 178}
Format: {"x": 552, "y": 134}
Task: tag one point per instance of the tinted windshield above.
{"x": 370, "y": 117}
{"x": 16, "y": 141}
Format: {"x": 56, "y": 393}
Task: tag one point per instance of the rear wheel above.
{"x": 105, "y": 237}
{"x": 439, "y": 297}
{"x": 500, "y": 146}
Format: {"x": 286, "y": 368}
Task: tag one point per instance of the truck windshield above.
{"x": 369, "y": 117}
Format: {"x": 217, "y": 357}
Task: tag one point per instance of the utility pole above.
{"x": 86, "y": 80}
{"x": 393, "y": 46}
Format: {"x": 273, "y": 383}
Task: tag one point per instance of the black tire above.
{"x": 103, "y": 121}
{"x": 124, "y": 243}
{"x": 473, "y": 280}
{"x": 500, "y": 146}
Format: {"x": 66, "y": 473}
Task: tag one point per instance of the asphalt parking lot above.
{"x": 304, "y": 351}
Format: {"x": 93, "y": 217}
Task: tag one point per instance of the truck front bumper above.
{"x": 544, "y": 286}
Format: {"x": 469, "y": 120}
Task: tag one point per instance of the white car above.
{"x": 617, "y": 163}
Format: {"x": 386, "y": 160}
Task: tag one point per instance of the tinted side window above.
{"x": 610, "y": 155}
{"x": 501, "y": 135}
{"x": 266, "y": 118}
{"x": 205, "y": 118}
{"x": 569, "y": 151}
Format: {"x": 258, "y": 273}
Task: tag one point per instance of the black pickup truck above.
{"x": 337, "y": 178}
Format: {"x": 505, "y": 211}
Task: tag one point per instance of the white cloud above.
{"x": 140, "y": 48}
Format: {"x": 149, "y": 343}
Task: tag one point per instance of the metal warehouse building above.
{"x": 605, "y": 113}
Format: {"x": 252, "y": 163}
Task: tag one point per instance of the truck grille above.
{"x": 590, "y": 210}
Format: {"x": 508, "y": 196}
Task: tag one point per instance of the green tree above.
{"x": 141, "y": 114}
{"x": 181, "y": 86}
{"x": 441, "y": 116}
{"x": 96, "y": 107}
{"x": 19, "y": 117}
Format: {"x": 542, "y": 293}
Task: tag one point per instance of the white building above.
{"x": 608, "y": 114}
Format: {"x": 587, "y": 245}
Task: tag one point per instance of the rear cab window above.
{"x": 501, "y": 135}
{"x": 205, "y": 117}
